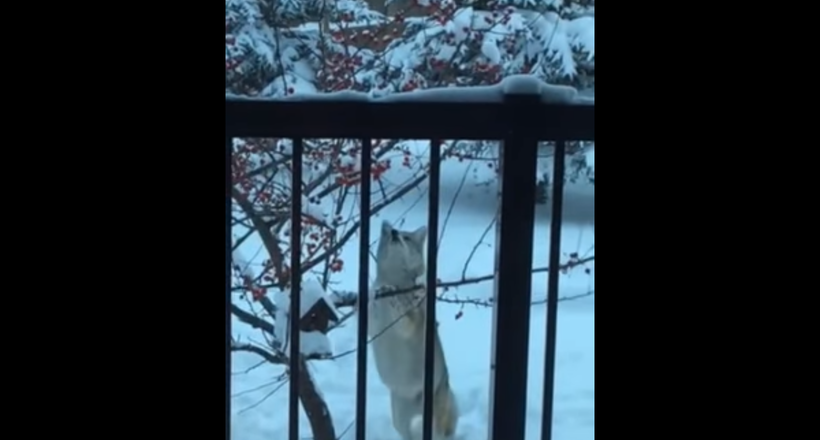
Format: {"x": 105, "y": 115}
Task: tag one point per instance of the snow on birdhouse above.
{"x": 316, "y": 312}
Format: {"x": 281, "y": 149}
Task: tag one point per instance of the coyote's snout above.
{"x": 397, "y": 323}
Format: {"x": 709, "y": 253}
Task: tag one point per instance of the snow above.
{"x": 313, "y": 210}
{"x": 581, "y": 31}
{"x": 243, "y": 264}
{"x": 590, "y": 157}
{"x": 527, "y": 40}
{"x": 489, "y": 49}
{"x": 315, "y": 343}
{"x": 522, "y": 85}
{"x": 260, "y": 402}
{"x": 461, "y": 24}
{"x": 513, "y": 84}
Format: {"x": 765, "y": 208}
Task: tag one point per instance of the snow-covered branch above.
{"x": 435, "y": 43}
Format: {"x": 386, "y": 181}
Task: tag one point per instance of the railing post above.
{"x": 556, "y": 222}
{"x": 513, "y": 282}
{"x": 364, "y": 291}
{"x": 430, "y": 296}
{"x": 294, "y": 335}
{"x": 228, "y": 262}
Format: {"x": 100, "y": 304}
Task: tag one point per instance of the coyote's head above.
{"x": 400, "y": 256}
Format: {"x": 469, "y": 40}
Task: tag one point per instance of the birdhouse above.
{"x": 319, "y": 316}
{"x": 317, "y": 313}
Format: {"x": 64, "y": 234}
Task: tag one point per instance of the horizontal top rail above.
{"x": 520, "y": 103}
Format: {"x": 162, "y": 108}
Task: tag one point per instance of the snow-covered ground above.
{"x": 260, "y": 403}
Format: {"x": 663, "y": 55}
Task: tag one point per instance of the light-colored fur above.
{"x": 398, "y": 325}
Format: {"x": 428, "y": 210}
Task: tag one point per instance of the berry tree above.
{"x": 283, "y": 47}
{"x": 262, "y": 195}
{"x": 280, "y": 48}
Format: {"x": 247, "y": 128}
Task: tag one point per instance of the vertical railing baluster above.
{"x": 432, "y": 269}
{"x": 513, "y": 283}
{"x": 228, "y": 267}
{"x": 364, "y": 281}
{"x": 556, "y": 222}
{"x": 295, "y": 288}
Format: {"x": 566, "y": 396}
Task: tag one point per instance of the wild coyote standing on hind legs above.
{"x": 397, "y": 324}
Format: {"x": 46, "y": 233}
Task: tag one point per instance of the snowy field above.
{"x": 260, "y": 402}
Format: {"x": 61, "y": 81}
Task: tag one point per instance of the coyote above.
{"x": 397, "y": 324}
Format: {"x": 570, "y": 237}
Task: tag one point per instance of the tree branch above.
{"x": 270, "y": 242}
{"x": 349, "y": 299}
{"x": 252, "y": 320}
{"x": 273, "y": 358}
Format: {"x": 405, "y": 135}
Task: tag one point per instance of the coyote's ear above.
{"x": 419, "y": 235}
{"x": 386, "y": 229}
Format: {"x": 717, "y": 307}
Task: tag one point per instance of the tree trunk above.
{"x": 315, "y": 407}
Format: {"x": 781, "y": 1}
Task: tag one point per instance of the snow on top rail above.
{"x": 511, "y": 85}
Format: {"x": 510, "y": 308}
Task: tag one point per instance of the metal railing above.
{"x": 520, "y": 121}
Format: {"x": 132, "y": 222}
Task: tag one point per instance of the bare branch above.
{"x": 452, "y": 205}
{"x": 477, "y": 244}
{"x": 252, "y": 320}
{"x": 264, "y": 398}
{"x": 489, "y": 302}
{"x": 261, "y": 386}
{"x": 350, "y": 298}
{"x": 274, "y": 358}
{"x": 241, "y": 239}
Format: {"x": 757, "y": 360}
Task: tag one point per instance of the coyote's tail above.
{"x": 445, "y": 414}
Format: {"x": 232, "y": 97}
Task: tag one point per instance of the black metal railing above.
{"x": 520, "y": 121}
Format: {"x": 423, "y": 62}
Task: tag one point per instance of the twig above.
{"x": 258, "y": 387}
{"x": 274, "y": 358}
{"x": 350, "y": 425}
{"x": 285, "y": 158}
{"x": 477, "y": 244}
{"x": 254, "y": 405}
{"x": 489, "y": 302}
{"x": 242, "y": 239}
{"x": 251, "y": 368}
{"x": 452, "y": 204}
